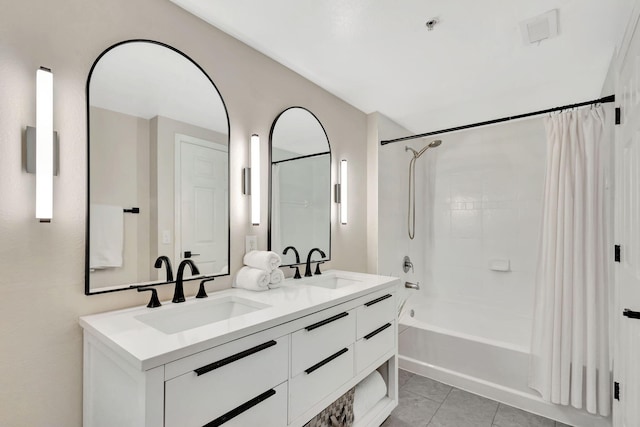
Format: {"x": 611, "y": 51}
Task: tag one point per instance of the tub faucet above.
{"x": 307, "y": 270}
{"x": 167, "y": 263}
{"x": 178, "y": 293}
{"x": 295, "y": 251}
{"x": 410, "y": 285}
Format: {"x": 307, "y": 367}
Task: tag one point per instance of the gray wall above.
{"x": 42, "y": 265}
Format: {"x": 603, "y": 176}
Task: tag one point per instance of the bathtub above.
{"x": 479, "y": 349}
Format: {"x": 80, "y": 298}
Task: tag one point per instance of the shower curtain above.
{"x": 570, "y": 347}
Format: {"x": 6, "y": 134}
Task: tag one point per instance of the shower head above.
{"x": 417, "y": 154}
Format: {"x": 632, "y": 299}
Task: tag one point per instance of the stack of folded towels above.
{"x": 260, "y": 271}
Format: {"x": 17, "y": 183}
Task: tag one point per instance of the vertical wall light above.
{"x": 255, "y": 179}
{"x": 341, "y": 190}
{"x": 44, "y": 144}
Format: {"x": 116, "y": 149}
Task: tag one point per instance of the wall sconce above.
{"x": 341, "y": 190}
{"x": 251, "y": 178}
{"x": 42, "y": 146}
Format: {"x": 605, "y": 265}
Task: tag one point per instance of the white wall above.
{"x": 121, "y": 142}
{"x": 478, "y": 198}
{"x": 393, "y": 197}
{"x": 42, "y": 279}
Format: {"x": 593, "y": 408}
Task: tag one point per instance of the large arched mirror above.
{"x": 158, "y": 144}
{"x": 300, "y": 186}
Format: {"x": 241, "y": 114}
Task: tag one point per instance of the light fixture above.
{"x": 255, "y": 179}
{"x": 44, "y": 144}
{"x": 341, "y": 190}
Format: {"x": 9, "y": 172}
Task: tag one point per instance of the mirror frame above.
{"x": 87, "y": 288}
{"x": 269, "y": 210}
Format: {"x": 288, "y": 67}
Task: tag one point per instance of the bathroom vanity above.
{"x": 240, "y": 358}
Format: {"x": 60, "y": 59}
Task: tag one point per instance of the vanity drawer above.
{"x": 321, "y": 338}
{"x": 317, "y": 381}
{"x": 374, "y": 344}
{"x": 376, "y": 312}
{"x": 268, "y": 409}
{"x": 231, "y": 378}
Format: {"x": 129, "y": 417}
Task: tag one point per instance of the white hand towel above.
{"x": 368, "y": 392}
{"x": 106, "y": 231}
{"x": 264, "y": 260}
{"x": 252, "y": 279}
{"x": 276, "y": 279}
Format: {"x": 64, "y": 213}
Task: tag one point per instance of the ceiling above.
{"x": 378, "y": 55}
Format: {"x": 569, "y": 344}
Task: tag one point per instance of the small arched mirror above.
{"x": 158, "y": 144}
{"x": 300, "y": 186}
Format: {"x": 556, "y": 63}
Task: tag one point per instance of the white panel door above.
{"x": 626, "y": 410}
{"x": 201, "y": 199}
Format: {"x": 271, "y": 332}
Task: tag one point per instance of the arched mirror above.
{"x": 300, "y": 186}
{"x": 158, "y": 180}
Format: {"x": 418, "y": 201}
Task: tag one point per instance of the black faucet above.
{"x": 295, "y": 251}
{"x": 178, "y": 294}
{"x": 307, "y": 270}
{"x": 167, "y": 262}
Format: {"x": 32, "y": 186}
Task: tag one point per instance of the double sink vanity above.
{"x": 243, "y": 358}
{"x": 236, "y": 358}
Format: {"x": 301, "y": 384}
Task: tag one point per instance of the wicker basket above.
{"x": 338, "y": 414}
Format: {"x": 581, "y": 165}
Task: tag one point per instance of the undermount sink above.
{"x": 331, "y": 281}
{"x": 184, "y": 317}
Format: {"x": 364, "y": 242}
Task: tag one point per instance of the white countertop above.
{"x": 145, "y": 347}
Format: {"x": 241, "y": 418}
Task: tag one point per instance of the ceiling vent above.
{"x": 540, "y": 28}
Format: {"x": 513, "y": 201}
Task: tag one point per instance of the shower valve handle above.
{"x": 407, "y": 264}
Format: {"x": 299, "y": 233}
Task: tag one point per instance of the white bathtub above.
{"x": 478, "y": 349}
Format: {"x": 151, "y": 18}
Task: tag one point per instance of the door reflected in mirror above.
{"x": 158, "y": 141}
{"x": 300, "y": 186}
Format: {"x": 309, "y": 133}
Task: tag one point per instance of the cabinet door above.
{"x": 319, "y": 380}
{"x": 374, "y": 345}
{"x": 212, "y": 390}
{"x": 377, "y": 311}
{"x": 320, "y": 339}
{"x": 268, "y": 409}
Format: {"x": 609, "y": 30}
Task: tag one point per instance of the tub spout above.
{"x": 410, "y": 285}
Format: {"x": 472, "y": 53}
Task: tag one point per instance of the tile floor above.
{"x": 425, "y": 402}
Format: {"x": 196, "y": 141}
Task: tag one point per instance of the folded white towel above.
{"x": 252, "y": 279}
{"x": 106, "y": 229}
{"x": 264, "y": 260}
{"x": 276, "y": 279}
{"x": 368, "y": 392}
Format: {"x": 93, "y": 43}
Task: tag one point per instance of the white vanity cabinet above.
{"x": 282, "y": 375}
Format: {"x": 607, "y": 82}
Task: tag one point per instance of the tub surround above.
{"x": 355, "y": 315}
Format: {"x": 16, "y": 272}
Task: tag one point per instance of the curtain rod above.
{"x": 610, "y": 98}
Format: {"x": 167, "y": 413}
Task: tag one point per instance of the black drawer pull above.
{"x": 377, "y": 331}
{"x": 220, "y": 363}
{"x": 325, "y": 321}
{"x": 240, "y": 409}
{"x": 377, "y": 300}
{"x": 631, "y": 314}
{"x": 325, "y": 361}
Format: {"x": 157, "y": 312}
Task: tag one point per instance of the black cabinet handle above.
{"x": 377, "y": 300}
{"x": 327, "y": 360}
{"x": 631, "y": 314}
{"x": 220, "y": 363}
{"x": 325, "y": 321}
{"x": 377, "y": 331}
{"x": 240, "y": 409}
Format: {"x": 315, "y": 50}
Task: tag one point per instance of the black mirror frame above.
{"x": 87, "y": 289}
{"x": 273, "y": 125}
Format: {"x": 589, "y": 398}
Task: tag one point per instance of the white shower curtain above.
{"x": 570, "y": 349}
